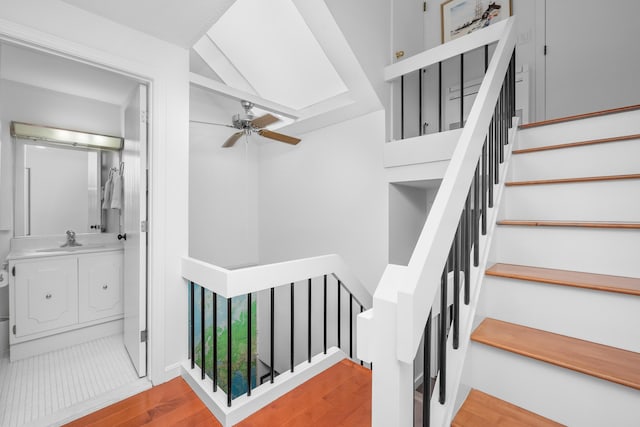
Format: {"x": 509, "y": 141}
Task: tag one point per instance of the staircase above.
{"x": 558, "y": 320}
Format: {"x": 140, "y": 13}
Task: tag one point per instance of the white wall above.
{"x": 408, "y": 210}
{"x": 223, "y": 188}
{"x": 327, "y": 195}
{"x": 56, "y": 25}
{"x": 367, "y": 27}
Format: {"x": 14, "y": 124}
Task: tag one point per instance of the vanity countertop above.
{"x": 48, "y": 247}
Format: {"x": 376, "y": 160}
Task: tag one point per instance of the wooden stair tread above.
{"x": 601, "y": 361}
{"x": 598, "y": 282}
{"x": 572, "y": 180}
{"x": 481, "y": 409}
{"x": 586, "y": 224}
{"x": 580, "y": 116}
{"x": 577, "y": 144}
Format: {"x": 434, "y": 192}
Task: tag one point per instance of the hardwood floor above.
{"x": 339, "y": 396}
{"x": 170, "y": 404}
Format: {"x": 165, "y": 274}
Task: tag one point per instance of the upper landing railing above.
{"x": 452, "y": 247}
{"x": 312, "y": 302}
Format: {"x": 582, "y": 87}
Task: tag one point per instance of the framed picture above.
{"x": 461, "y": 17}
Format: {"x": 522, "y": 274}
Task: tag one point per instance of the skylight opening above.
{"x": 270, "y": 44}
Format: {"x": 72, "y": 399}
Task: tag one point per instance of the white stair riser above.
{"x": 611, "y": 158}
{"x": 564, "y": 310}
{"x": 581, "y": 130}
{"x": 560, "y": 394}
{"x": 592, "y": 250}
{"x": 581, "y": 201}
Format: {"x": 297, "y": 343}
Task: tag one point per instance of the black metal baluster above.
{"x": 443, "y": 334}
{"x": 467, "y": 255}
{"x": 192, "y": 327}
{"x": 309, "y": 324}
{"x": 324, "y": 316}
{"x": 484, "y": 187}
{"x": 420, "y": 102}
{"x": 350, "y": 326}
{"x": 491, "y": 159}
{"x": 440, "y": 96}
{"x": 513, "y": 83}
{"x": 456, "y": 287}
{"x": 361, "y": 310}
{"x": 292, "y": 326}
{"x": 401, "y": 107}
{"x": 476, "y": 216}
{"x": 339, "y": 286}
{"x": 202, "y": 333}
{"x": 426, "y": 374}
{"x": 461, "y": 90}
{"x": 229, "y": 347}
{"x": 497, "y": 143}
{"x": 249, "y": 354}
{"x": 501, "y": 145}
{"x": 271, "y": 335}
{"x": 215, "y": 342}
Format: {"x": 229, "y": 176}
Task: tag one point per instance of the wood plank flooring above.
{"x": 598, "y": 282}
{"x": 601, "y": 361}
{"x": 339, "y": 396}
{"x": 481, "y": 409}
{"x": 170, "y": 404}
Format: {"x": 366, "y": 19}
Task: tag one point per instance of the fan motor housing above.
{"x": 243, "y": 121}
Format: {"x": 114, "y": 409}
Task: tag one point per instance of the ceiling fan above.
{"x": 247, "y": 124}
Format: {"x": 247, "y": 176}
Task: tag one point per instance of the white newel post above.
{"x": 392, "y": 387}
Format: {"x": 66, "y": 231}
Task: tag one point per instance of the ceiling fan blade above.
{"x": 232, "y": 140}
{"x": 264, "y": 121}
{"x": 279, "y": 137}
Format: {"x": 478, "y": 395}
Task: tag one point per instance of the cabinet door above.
{"x": 100, "y": 286}
{"x": 46, "y": 295}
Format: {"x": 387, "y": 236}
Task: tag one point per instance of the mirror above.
{"x": 59, "y": 188}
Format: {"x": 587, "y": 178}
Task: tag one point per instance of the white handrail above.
{"x": 232, "y": 283}
{"x": 445, "y": 51}
{"x": 431, "y": 251}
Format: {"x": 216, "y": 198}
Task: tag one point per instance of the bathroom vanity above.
{"x": 64, "y": 296}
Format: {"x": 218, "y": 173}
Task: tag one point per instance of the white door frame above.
{"x": 32, "y": 38}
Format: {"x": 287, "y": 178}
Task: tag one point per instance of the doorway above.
{"x": 47, "y": 89}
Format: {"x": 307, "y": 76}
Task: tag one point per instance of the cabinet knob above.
{"x": 105, "y": 287}
{"x": 48, "y": 296}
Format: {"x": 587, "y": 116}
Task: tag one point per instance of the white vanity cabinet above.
{"x": 100, "y": 286}
{"x": 61, "y": 300}
{"x": 46, "y": 294}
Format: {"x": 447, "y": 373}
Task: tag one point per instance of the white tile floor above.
{"x": 46, "y": 389}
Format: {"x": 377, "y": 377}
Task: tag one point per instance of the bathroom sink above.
{"x": 71, "y": 248}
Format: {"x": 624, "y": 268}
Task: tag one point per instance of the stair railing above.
{"x": 214, "y": 290}
{"x": 455, "y": 236}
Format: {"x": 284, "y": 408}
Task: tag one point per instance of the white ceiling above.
{"x": 55, "y": 73}
{"x": 179, "y": 22}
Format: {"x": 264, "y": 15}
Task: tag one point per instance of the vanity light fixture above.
{"x": 66, "y": 137}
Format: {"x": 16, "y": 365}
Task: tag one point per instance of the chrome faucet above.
{"x": 71, "y": 240}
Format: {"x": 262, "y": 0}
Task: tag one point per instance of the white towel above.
{"x": 108, "y": 188}
{"x": 116, "y": 193}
